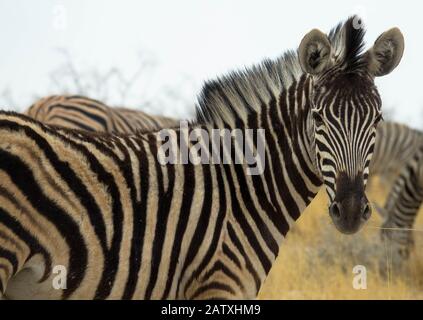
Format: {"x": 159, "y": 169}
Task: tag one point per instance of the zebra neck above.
{"x": 264, "y": 206}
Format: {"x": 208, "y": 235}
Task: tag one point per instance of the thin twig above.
{"x": 393, "y": 228}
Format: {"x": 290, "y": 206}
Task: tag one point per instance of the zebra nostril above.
{"x": 367, "y": 211}
{"x": 334, "y": 210}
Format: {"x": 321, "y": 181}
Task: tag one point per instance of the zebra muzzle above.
{"x": 350, "y": 209}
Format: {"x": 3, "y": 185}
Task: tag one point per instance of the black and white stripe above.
{"x": 83, "y": 113}
{"x": 396, "y": 144}
{"x": 126, "y": 226}
{"x": 399, "y": 156}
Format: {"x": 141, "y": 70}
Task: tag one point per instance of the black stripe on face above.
{"x": 347, "y": 139}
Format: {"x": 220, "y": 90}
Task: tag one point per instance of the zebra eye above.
{"x": 378, "y": 119}
{"x": 318, "y": 120}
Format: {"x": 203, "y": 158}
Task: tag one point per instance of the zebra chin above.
{"x": 350, "y": 209}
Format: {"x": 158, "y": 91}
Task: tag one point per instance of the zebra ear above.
{"x": 314, "y": 52}
{"x": 386, "y": 53}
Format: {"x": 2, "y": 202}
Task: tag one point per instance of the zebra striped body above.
{"x": 82, "y": 113}
{"x": 125, "y": 225}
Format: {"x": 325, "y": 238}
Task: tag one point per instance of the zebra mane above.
{"x": 241, "y": 92}
{"x": 347, "y": 41}
{"x": 234, "y": 96}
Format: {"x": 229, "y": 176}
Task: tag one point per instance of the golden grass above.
{"x": 316, "y": 261}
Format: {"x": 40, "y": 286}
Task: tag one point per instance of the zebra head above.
{"x": 345, "y": 110}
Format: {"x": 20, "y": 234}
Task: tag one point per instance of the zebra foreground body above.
{"x": 82, "y": 113}
{"x": 399, "y": 154}
{"x": 126, "y": 226}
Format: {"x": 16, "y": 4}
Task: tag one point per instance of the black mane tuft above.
{"x": 348, "y": 41}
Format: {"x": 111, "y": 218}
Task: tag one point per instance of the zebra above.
{"x": 396, "y": 144}
{"x": 124, "y": 225}
{"x": 401, "y": 208}
{"x": 399, "y": 153}
{"x": 83, "y": 113}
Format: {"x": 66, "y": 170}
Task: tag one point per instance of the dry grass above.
{"x": 316, "y": 261}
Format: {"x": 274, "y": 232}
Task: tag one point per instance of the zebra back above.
{"x": 130, "y": 121}
{"x": 396, "y": 144}
{"x": 82, "y": 113}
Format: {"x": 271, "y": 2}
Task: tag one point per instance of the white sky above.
{"x": 195, "y": 39}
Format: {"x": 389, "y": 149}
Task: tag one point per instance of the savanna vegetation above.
{"x": 316, "y": 261}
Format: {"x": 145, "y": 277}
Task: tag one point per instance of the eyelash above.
{"x": 317, "y": 119}
{"x": 378, "y": 119}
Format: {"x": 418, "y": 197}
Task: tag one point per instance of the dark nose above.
{"x": 350, "y": 213}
